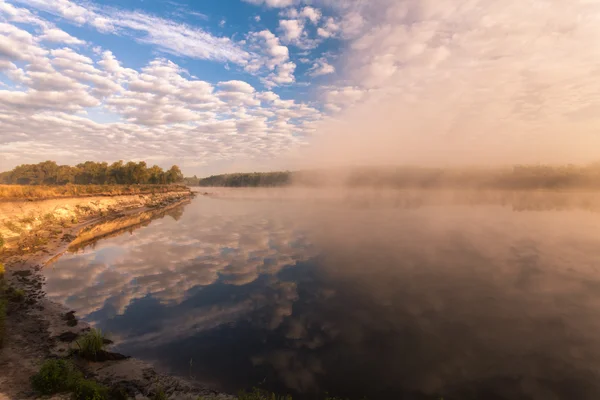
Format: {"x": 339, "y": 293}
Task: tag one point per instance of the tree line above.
{"x": 252, "y": 179}
{"x": 91, "y": 173}
{"x": 509, "y": 178}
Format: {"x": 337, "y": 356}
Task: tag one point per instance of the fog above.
{"x": 446, "y": 83}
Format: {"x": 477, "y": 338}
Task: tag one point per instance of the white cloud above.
{"x": 275, "y": 59}
{"x": 16, "y": 14}
{"x": 236, "y": 86}
{"x": 291, "y": 29}
{"x": 312, "y": 14}
{"x": 329, "y": 29}
{"x": 321, "y": 67}
{"x": 169, "y": 36}
{"x": 59, "y": 36}
{"x": 272, "y": 3}
{"x": 283, "y": 75}
{"x": 212, "y": 124}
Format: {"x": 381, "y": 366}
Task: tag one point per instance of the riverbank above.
{"x": 38, "y": 329}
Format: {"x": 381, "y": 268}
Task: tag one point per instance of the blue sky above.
{"x": 228, "y": 85}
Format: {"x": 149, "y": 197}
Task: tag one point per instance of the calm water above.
{"x": 390, "y": 302}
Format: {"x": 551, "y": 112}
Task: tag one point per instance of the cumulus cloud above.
{"x": 311, "y": 13}
{"x": 321, "y": 67}
{"x": 159, "y": 111}
{"x": 60, "y": 36}
{"x": 291, "y": 29}
{"x": 329, "y": 29}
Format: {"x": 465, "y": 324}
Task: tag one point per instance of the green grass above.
{"x": 91, "y": 344}
{"x": 56, "y": 376}
{"x": 61, "y": 376}
{"x": 89, "y": 390}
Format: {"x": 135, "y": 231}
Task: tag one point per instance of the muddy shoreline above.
{"x": 37, "y": 329}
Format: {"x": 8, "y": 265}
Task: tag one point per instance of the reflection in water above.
{"x": 467, "y": 302}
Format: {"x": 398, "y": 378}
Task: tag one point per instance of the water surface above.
{"x": 388, "y": 300}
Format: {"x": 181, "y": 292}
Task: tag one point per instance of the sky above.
{"x": 235, "y": 85}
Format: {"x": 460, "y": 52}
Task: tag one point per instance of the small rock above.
{"x": 69, "y": 316}
{"x": 68, "y": 336}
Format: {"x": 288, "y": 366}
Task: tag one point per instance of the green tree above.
{"x": 174, "y": 175}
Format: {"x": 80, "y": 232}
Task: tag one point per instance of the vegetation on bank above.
{"x": 90, "y": 344}
{"x": 61, "y": 376}
{"x": 91, "y": 173}
{"x": 519, "y": 177}
{"x": 253, "y": 179}
{"x": 41, "y": 192}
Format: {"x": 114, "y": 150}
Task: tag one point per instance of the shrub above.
{"x": 91, "y": 344}
{"x": 55, "y": 376}
{"x": 89, "y": 390}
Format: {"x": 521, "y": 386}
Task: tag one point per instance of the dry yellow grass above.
{"x": 31, "y": 192}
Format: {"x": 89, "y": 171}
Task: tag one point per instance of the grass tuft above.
{"x": 55, "y": 376}
{"x": 91, "y": 344}
{"x": 160, "y": 395}
{"x": 89, "y": 390}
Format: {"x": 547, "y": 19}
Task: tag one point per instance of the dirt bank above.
{"x": 32, "y": 224}
{"x": 36, "y": 327}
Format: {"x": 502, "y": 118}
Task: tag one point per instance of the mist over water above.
{"x": 388, "y": 295}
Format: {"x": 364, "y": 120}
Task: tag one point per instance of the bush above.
{"x": 89, "y": 390}
{"x": 55, "y": 376}
{"x": 91, "y": 344}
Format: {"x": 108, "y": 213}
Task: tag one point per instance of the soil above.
{"x": 38, "y": 329}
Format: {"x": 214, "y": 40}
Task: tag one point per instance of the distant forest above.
{"x": 511, "y": 178}
{"x": 252, "y": 179}
{"x": 91, "y": 173}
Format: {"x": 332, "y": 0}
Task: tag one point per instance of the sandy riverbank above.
{"x": 37, "y": 328}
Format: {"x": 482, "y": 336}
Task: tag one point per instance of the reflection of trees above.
{"x": 176, "y": 213}
{"x": 117, "y": 226}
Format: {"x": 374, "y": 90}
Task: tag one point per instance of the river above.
{"x": 381, "y": 297}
